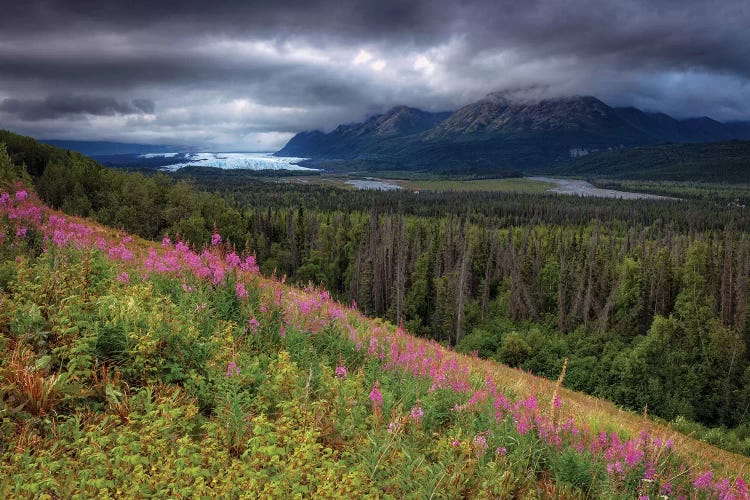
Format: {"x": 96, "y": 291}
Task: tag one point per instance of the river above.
{"x": 579, "y": 187}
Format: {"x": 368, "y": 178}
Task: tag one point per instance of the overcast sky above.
{"x": 245, "y": 75}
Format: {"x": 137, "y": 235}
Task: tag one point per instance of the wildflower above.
{"x": 240, "y": 290}
{"x": 523, "y": 425}
{"x": 416, "y": 413}
{"x": 393, "y": 427}
{"x": 557, "y": 402}
{"x": 165, "y": 242}
{"x": 233, "y": 260}
{"x": 649, "y": 473}
{"x": 249, "y": 264}
{"x": 501, "y": 451}
{"x": 123, "y": 277}
{"x": 666, "y": 489}
{"x": 254, "y": 324}
{"x": 232, "y": 369}
{"x": 59, "y": 237}
{"x": 21, "y": 195}
{"x": 480, "y": 444}
{"x": 741, "y": 487}
{"x": 215, "y": 239}
{"x": 282, "y": 331}
{"x": 456, "y": 443}
{"x": 340, "y": 371}
{"x": 21, "y": 232}
{"x": 376, "y": 396}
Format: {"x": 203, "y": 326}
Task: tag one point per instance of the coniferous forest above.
{"x": 648, "y": 300}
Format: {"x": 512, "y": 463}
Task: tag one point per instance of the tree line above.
{"x": 647, "y": 299}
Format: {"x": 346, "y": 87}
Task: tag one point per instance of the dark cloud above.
{"x": 225, "y": 70}
{"x": 66, "y": 106}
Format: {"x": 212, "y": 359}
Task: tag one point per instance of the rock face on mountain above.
{"x": 371, "y": 136}
{"x": 503, "y": 134}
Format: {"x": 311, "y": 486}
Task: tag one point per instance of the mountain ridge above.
{"x": 501, "y": 133}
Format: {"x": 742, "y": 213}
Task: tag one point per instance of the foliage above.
{"x": 143, "y": 370}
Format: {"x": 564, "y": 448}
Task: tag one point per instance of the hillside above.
{"x": 713, "y": 162}
{"x": 500, "y": 134}
{"x": 136, "y": 369}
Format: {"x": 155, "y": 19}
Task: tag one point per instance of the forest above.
{"x": 648, "y": 300}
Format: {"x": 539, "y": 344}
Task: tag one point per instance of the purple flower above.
{"x": 417, "y": 413}
{"x": 480, "y": 444}
{"x": 557, "y": 402}
{"x": 215, "y": 239}
{"x": 376, "y": 396}
{"x": 666, "y": 489}
{"x": 340, "y": 371}
{"x": 240, "y": 290}
{"x": 704, "y": 480}
{"x": 123, "y": 277}
{"x": 232, "y": 369}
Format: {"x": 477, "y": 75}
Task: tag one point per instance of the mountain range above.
{"x": 499, "y": 134}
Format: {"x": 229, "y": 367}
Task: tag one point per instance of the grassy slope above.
{"x": 142, "y": 345}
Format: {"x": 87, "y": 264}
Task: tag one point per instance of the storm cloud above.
{"x": 247, "y": 75}
{"x": 66, "y": 106}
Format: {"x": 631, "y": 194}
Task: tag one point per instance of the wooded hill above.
{"x": 713, "y": 162}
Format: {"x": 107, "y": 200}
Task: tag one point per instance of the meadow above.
{"x": 137, "y": 369}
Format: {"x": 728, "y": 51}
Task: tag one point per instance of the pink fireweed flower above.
{"x": 232, "y": 369}
{"x": 240, "y": 290}
{"x": 253, "y": 324}
{"x": 215, "y": 239}
{"x": 416, "y": 413}
{"x": 123, "y": 277}
{"x": 376, "y": 396}
{"x": 393, "y": 427}
{"x": 456, "y": 443}
{"x": 233, "y": 260}
{"x": 20, "y": 232}
{"x": 557, "y": 403}
{"x": 666, "y": 489}
{"x": 166, "y": 242}
{"x": 249, "y": 264}
{"x": 480, "y": 444}
{"x": 59, "y": 238}
{"x": 704, "y": 480}
{"x": 21, "y": 195}
{"x": 282, "y": 331}
{"x": 501, "y": 451}
{"x": 340, "y": 371}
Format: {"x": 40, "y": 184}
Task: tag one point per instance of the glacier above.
{"x": 249, "y": 161}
